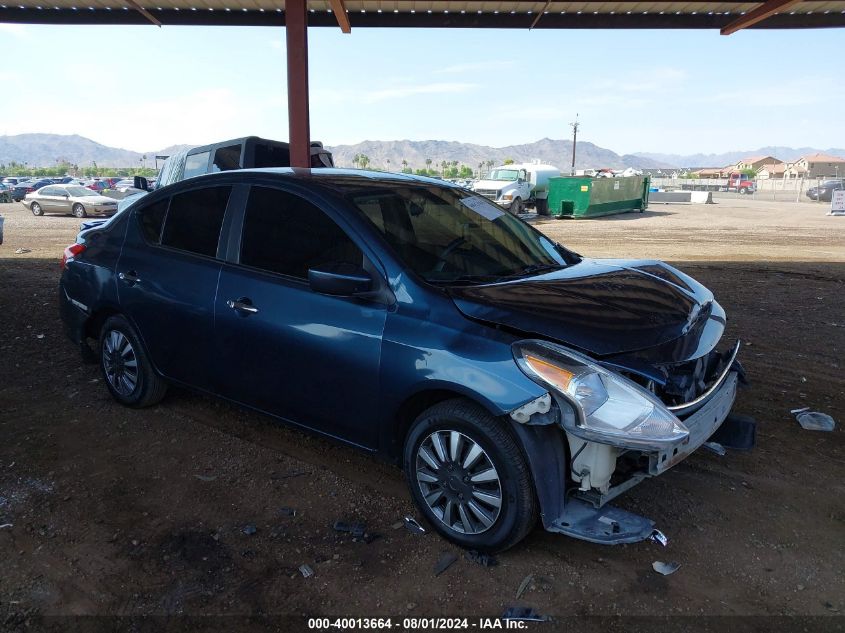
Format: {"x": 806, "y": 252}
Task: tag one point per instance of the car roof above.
{"x": 331, "y": 177}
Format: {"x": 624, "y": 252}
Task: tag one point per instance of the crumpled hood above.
{"x": 602, "y": 307}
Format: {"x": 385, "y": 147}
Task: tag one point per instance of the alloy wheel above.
{"x": 459, "y": 482}
{"x": 120, "y": 363}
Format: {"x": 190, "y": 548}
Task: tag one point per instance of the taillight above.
{"x": 71, "y": 252}
{"x": 30, "y": 189}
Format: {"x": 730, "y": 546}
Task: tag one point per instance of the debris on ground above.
{"x": 21, "y": 251}
{"x": 523, "y": 586}
{"x": 306, "y": 571}
{"x": 447, "y": 559}
{"x": 205, "y": 477}
{"x": 527, "y": 614}
{"x": 659, "y": 537}
{"x": 285, "y": 511}
{"x": 249, "y": 530}
{"x": 5, "y": 525}
{"x": 485, "y": 560}
{"x": 413, "y": 526}
{"x": 355, "y": 529}
{"x": 397, "y": 525}
{"x": 814, "y": 420}
{"x": 738, "y": 432}
{"x": 665, "y": 568}
{"x": 716, "y": 448}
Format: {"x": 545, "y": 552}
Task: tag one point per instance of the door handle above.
{"x": 242, "y": 305}
{"x": 131, "y": 278}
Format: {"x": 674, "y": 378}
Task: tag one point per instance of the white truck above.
{"x": 516, "y": 186}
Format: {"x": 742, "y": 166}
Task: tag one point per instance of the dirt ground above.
{"x": 111, "y": 511}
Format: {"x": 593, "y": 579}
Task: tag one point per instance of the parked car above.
{"x": 825, "y": 190}
{"x": 510, "y": 377}
{"x": 28, "y": 186}
{"x": 68, "y": 199}
{"x": 98, "y": 185}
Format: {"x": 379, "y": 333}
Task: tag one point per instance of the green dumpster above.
{"x": 584, "y": 197}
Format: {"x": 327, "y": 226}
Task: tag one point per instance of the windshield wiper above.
{"x": 533, "y": 269}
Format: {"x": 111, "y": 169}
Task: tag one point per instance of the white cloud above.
{"x": 504, "y": 64}
{"x": 198, "y": 117}
{"x": 413, "y": 90}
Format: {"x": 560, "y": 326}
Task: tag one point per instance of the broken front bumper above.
{"x": 701, "y": 425}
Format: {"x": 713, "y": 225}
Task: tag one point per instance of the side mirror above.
{"x": 139, "y": 182}
{"x": 339, "y": 279}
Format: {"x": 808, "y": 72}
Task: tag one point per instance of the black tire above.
{"x": 145, "y": 387}
{"x": 743, "y": 191}
{"x": 36, "y": 209}
{"x": 79, "y": 211}
{"x": 542, "y": 207}
{"x": 517, "y": 513}
{"x": 516, "y": 206}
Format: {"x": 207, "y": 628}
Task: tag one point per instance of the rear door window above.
{"x": 194, "y": 220}
{"x": 285, "y": 234}
{"x": 151, "y": 219}
{"x": 196, "y": 164}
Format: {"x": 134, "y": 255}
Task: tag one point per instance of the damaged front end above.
{"x": 621, "y": 425}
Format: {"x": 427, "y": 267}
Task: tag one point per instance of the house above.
{"x": 755, "y": 162}
{"x": 775, "y": 170}
{"x": 713, "y": 172}
{"x": 816, "y": 166}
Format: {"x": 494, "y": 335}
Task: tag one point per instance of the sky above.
{"x": 145, "y": 88}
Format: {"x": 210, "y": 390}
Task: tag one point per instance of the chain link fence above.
{"x": 778, "y": 189}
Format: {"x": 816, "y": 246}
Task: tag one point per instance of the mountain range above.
{"x": 43, "y": 150}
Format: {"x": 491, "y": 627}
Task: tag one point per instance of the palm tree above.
{"x": 387, "y": 160}
{"x": 443, "y": 165}
{"x": 404, "y": 164}
{"x": 364, "y": 160}
{"x": 428, "y": 164}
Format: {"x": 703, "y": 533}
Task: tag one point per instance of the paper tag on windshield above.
{"x": 483, "y": 208}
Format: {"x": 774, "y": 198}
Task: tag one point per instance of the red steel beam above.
{"x": 296, "y": 29}
{"x": 339, "y": 10}
{"x": 765, "y": 10}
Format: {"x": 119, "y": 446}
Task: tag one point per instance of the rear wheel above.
{"x": 128, "y": 373}
{"x": 79, "y": 211}
{"x": 36, "y": 209}
{"x": 542, "y": 207}
{"x": 468, "y": 476}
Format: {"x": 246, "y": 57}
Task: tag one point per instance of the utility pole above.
{"x": 574, "y": 140}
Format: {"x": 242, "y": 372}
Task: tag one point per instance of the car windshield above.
{"x": 450, "y": 235}
{"x": 504, "y": 174}
{"x": 79, "y": 192}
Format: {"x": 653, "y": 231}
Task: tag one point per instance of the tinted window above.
{"x": 288, "y": 235}
{"x": 151, "y": 219}
{"x": 194, "y": 220}
{"x": 226, "y": 158}
{"x": 50, "y": 191}
{"x": 196, "y": 164}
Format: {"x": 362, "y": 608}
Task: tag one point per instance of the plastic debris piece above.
{"x": 306, "y": 571}
{"x": 206, "y": 477}
{"x": 485, "y": 560}
{"x": 249, "y": 530}
{"x": 447, "y": 559}
{"x": 397, "y": 525}
{"x": 5, "y": 525}
{"x": 527, "y": 614}
{"x": 665, "y": 568}
{"x": 716, "y": 448}
{"x": 738, "y": 432}
{"x": 21, "y": 251}
{"x": 659, "y": 537}
{"x": 287, "y": 512}
{"x": 815, "y": 421}
{"x": 801, "y": 410}
{"x": 524, "y": 585}
{"x": 413, "y": 526}
{"x": 355, "y": 529}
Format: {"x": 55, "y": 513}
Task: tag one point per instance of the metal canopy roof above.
{"x": 517, "y": 14}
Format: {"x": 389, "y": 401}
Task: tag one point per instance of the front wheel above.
{"x": 36, "y": 209}
{"x": 743, "y": 190}
{"x": 79, "y": 211}
{"x": 128, "y": 373}
{"x": 468, "y": 476}
{"x": 516, "y": 206}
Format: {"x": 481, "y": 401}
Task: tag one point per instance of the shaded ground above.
{"x": 124, "y": 512}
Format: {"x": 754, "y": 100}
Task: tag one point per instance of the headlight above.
{"x": 609, "y": 408}
{"x": 507, "y": 196}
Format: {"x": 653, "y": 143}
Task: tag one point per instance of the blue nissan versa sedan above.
{"x": 509, "y": 376}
